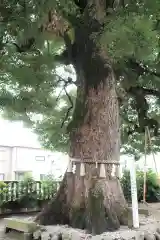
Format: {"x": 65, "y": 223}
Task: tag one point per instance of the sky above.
{"x": 15, "y": 134}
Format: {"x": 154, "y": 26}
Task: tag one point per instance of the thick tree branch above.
{"x": 140, "y": 68}
{"x": 55, "y": 25}
{"x": 65, "y": 81}
{"x": 68, "y": 44}
{"x": 144, "y": 91}
{"x": 25, "y": 46}
{"x": 81, "y": 4}
{"x": 63, "y": 58}
{"x": 69, "y": 109}
{"x": 141, "y": 105}
{"x": 59, "y": 95}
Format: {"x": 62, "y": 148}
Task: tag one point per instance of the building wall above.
{"x": 22, "y": 160}
{"x": 5, "y": 162}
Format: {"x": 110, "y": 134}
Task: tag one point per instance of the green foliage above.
{"x": 27, "y": 193}
{"x": 2, "y": 184}
{"x": 50, "y": 184}
{"x": 131, "y": 35}
{"x": 28, "y": 178}
{"x": 152, "y": 186}
{"x": 3, "y": 187}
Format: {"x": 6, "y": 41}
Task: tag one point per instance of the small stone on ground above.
{"x": 148, "y": 227}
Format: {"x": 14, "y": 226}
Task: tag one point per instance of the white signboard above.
{"x": 134, "y": 194}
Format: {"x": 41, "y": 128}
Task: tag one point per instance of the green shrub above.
{"x": 152, "y": 186}
{"x": 3, "y": 192}
{"x": 50, "y": 185}
{"x": 27, "y": 193}
{"x": 3, "y": 187}
{"x": 28, "y": 197}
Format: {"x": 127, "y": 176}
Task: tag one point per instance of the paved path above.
{"x": 12, "y": 235}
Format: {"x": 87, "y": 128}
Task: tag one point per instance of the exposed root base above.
{"x": 56, "y": 212}
{"x": 147, "y": 232}
{"x": 93, "y": 212}
{"x": 95, "y": 222}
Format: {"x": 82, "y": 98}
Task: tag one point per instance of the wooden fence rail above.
{"x": 14, "y": 190}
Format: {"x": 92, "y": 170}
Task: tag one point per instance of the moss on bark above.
{"x": 93, "y": 216}
{"x": 96, "y": 216}
{"x": 78, "y": 217}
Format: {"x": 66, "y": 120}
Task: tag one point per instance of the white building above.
{"x": 16, "y": 161}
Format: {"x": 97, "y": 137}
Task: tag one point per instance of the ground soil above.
{"x": 152, "y": 219}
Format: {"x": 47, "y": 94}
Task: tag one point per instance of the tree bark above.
{"x": 91, "y": 202}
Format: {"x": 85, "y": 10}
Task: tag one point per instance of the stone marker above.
{"x": 27, "y": 227}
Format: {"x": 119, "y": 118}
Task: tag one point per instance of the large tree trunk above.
{"x": 91, "y": 198}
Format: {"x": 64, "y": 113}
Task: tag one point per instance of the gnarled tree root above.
{"x": 86, "y": 204}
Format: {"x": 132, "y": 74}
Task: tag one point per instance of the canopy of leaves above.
{"x": 37, "y": 79}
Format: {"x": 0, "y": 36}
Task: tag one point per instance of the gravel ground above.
{"x": 149, "y": 223}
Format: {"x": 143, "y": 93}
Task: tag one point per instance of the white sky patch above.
{"x": 14, "y": 133}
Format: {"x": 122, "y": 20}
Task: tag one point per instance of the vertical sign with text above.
{"x": 134, "y": 194}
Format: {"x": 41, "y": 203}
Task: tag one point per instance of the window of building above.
{"x": 20, "y": 175}
{"x": 42, "y": 177}
{"x": 2, "y": 155}
{"x": 40, "y": 158}
{"x": 2, "y": 176}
